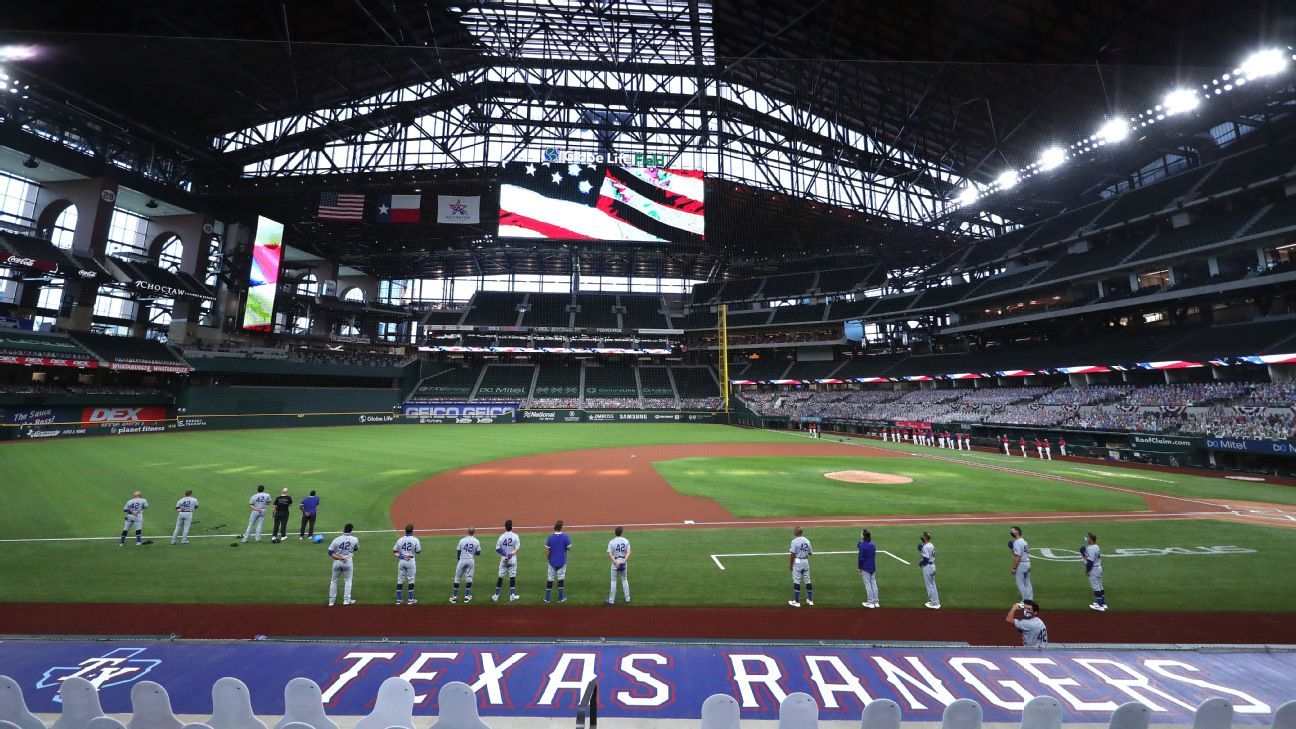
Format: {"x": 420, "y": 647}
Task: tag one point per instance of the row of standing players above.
{"x": 963, "y": 441}
{"x": 407, "y": 548}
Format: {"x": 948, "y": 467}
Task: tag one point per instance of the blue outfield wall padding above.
{"x": 668, "y": 681}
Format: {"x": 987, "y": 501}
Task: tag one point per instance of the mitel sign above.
{"x": 558, "y": 155}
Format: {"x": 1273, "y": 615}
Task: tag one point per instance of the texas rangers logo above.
{"x": 458, "y": 208}
{"x": 113, "y": 668}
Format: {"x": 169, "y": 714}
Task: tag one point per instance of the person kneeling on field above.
{"x": 1030, "y": 625}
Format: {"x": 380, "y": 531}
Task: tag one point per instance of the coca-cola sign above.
{"x": 13, "y": 260}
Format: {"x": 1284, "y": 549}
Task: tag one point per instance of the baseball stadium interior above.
{"x": 715, "y": 280}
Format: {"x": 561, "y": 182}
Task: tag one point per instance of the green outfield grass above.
{"x": 75, "y": 488}
{"x": 796, "y": 486}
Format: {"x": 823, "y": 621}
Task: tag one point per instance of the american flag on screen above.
{"x": 601, "y": 202}
{"x": 341, "y": 206}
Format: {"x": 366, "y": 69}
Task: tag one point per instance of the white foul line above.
{"x": 716, "y": 557}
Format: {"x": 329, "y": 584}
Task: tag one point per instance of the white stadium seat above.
{"x": 1213, "y": 713}
{"x": 881, "y": 714}
{"x": 1132, "y": 715}
{"x": 232, "y": 706}
{"x": 151, "y": 707}
{"x": 720, "y": 711}
{"x": 962, "y": 714}
{"x": 13, "y": 706}
{"x": 80, "y": 703}
{"x": 1285, "y": 716}
{"x": 104, "y": 722}
{"x": 196, "y": 725}
{"x": 1042, "y": 712}
{"x": 798, "y": 711}
{"x": 394, "y": 707}
{"x": 304, "y": 704}
{"x": 7, "y": 724}
{"x": 457, "y": 708}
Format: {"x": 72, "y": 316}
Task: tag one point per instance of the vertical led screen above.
{"x": 263, "y": 278}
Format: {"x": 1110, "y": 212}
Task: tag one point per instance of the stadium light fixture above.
{"x": 968, "y": 195}
{"x": 1180, "y": 101}
{"x": 1113, "y": 131}
{"x": 1268, "y": 62}
{"x": 1052, "y": 158}
{"x": 1007, "y": 179}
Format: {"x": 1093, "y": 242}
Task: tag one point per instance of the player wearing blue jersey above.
{"x": 1094, "y": 570}
{"x": 799, "y": 552}
{"x": 868, "y": 568}
{"x": 556, "y": 549}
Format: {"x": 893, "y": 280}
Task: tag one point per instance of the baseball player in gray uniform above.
{"x": 1093, "y": 568}
{"x": 467, "y": 550}
{"x": 184, "y": 517}
{"x": 406, "y": 551}
{"x": 134, "y": 511}
{"x": 1021, "y": 567}
{"x": 619, "y": 553}
{"x": 258, "y": 504}
{"x": 507, "y": 546}
{"x": 342, "y": 551}
{"x": 799, "y": 552}
{"x": 927, "y": 561}
{"x": 1033, "y": 631}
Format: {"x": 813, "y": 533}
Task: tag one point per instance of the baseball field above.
{"x": 709, "y": 510}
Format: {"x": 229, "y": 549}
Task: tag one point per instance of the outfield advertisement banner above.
{"x": 460, "y": 412}
{"x": 646, "y": 681}
{"x": 616, "y": 416}
{"x": 57, "y": 422}
{"x": 1256, "y": 447}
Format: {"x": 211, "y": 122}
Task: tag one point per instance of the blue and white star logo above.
{"x": 458, "y": 208}
{"x": 114, "y": 668}
{"x": 531, "y": 169}
{"x": 556, "y": 177}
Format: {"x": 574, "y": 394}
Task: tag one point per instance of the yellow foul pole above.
{"x": 722, "y": 323}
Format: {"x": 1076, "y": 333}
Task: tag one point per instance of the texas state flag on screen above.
{"x": 399, "y": 208}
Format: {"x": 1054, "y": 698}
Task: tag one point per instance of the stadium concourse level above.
{"x": 559, "y": 385}
{"x": 619, "y": 312}
{"x": 1227, "y": 223}
{"x": 457, "y": 708}
{"x": 1220, "y": 409}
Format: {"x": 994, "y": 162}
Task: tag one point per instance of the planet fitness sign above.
{"x": 668, "y": 681}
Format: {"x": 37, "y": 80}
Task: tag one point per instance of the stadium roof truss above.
{"x": 634, "y": 76}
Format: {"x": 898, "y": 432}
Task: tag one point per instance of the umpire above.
{"x": 281, "y": 504}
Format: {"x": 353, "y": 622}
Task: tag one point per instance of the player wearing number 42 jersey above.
{"x": 507, "y": 546}
{"x": 1093, "y": 569}
{"x": 619, "y": 553}
{"x": 467, "y": 550}
{"x": 134, "y": 511}
{"x": 406, "y": 550}
{"x": 342, "y": 551}
{"x": 185, "y": 509}
{"x": 799, "y": 552}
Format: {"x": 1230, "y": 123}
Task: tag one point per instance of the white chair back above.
{"x": 1042, "y": 712}
{"x": 1285, "y": 716}
{"x": 881, "y": 714}
{"x": 196, "y": 725}
{"x": 798, "y": 711}
{"x": 151, "y": 707}
{"x": 962, "y": 714}
{"x": 232, "y": 706}
{"x": 80, "y": 701}
{"x": 304, "y": 704}
{"x": 104, "y": 722}
{"x": 13, "y": 706}
{"x": 393, "y": 707}
{"x": 457, "y": 708}
{"x": 1214, "y": 713}
{"x": 1132, "y": 715}
{"x": 720, "y": 711}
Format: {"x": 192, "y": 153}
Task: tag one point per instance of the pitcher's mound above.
{"x": 867, "y": 477}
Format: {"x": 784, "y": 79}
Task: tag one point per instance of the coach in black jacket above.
{"x": 281, "y": 506}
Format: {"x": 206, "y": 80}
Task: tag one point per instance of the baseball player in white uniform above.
{"x": 927, "y": 561}
{"x": 799, "y": 552}
{"x": 259, "y": 502}
{"x": 406, "y": 551}
{"x": 185, "y": 508}
{"x": 1093, "y": 569}
{"x": 619, "y": 553}
{"x": 134, "y": 511}
{"x": 507, "y": 546}
{"x": 1021, "y": 567}
{"x": 467, "y": 550}
{"x": 342, "y": 550}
